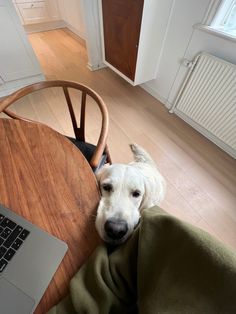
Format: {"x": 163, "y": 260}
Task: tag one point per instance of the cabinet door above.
{"x": 121, "y": 29}
{"x": 34, "y": 12}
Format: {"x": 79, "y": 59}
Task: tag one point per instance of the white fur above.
{"x": 141, "y": 175}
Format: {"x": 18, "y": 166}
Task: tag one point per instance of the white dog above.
{"x": 126, "y": 190}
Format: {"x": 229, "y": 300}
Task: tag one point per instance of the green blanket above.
{"x": 167, "y": 266}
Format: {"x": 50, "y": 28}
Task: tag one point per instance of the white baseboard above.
{"x": 155, "y": 94}
{"x": 168, "y": 105}
{"x": 9, "y": 87}
{"x": 96, "y": 67}
{"x": 207, "y": 134}
{"x": 74, "y": 30}
{"x": 43, "y": 27}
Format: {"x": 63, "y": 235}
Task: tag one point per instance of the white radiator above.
{"x": 207, "y": 100}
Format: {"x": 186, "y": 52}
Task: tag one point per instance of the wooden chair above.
{"x": 97, "y": 155}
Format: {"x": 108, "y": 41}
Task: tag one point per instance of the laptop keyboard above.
{"x": 11, "y": 238}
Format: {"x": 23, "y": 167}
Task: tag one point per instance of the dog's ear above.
{"x": 140, "y": 155}
{"x": 99, "y": 172}
{"x": 155, "y": 189}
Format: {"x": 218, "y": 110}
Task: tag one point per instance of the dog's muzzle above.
{"x": 116, "y": 229}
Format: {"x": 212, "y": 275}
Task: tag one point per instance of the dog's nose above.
{"x": 116, "y": 228}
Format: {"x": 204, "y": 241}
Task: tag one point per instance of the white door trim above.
{"x": 90, "y": 10}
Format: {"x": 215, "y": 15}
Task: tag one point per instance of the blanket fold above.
{"x": 167, "y": 266}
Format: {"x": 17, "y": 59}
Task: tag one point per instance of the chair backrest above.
{"x": 79, "y": 131}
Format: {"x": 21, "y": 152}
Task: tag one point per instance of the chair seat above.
{"x": 87, "y": 150}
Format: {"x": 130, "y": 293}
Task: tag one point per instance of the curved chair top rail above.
{"x": 24, "y": 91}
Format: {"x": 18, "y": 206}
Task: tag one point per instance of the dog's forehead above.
{"x": 121, "y": 172}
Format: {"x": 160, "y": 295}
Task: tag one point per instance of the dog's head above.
{"x": 126, "y": 190}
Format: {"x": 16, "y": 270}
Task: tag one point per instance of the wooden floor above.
{"x": 201, "y": 179}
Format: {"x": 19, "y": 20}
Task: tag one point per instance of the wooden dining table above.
{"x": 46, "y": 179}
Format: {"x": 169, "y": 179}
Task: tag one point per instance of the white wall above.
{"x": 182, "y": 40}
{"x": 71, "y": 13}
{"x": 18, "y": 63}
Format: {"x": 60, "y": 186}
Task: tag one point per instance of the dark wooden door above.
{"x": 121, "y": 24}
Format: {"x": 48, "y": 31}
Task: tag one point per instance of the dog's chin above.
{"x": 113, "y": 242}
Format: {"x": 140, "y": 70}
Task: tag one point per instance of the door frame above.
{"x": 91, "y": 15}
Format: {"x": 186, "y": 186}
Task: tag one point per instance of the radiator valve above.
{"x": 187, "y": 63}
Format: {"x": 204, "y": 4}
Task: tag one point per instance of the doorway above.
{"x": 81, "y": 17}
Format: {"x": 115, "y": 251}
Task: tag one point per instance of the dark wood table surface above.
{"x": 46, "y": 179}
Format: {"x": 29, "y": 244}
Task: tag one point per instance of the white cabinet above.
{"x": 36, "y": 11}
{"x": 131, "y": 46}
{"x": 33, "y": 12}
{"x": 17, "y": 58}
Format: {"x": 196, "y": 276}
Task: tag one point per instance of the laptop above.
{"x": 29, "y": 257}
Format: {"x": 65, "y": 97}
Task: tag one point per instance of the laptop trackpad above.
{"x": 13, "y": 300}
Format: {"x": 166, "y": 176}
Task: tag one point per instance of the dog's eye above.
{"x": 107, "y": 187}
{"x": 136, "y": 193}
